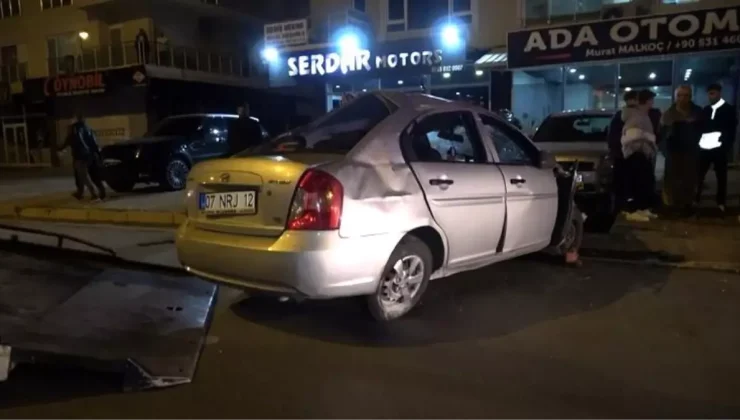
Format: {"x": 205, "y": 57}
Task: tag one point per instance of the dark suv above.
{"x": 166, "y": 154}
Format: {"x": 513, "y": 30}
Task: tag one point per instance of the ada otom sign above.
{"x": 687, "y": 32}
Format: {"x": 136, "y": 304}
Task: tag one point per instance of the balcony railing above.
{"x": 12, "y": 73}
{"x": 127, "y": 54}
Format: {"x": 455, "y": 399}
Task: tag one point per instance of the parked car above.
{"x": 375, "y": 199}
{"x": 166, "y": 154}
{"x": 580, "y": 136}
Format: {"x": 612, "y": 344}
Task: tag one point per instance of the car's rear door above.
{"x": 464, "y": 190}
{"x": 531, "y": 192}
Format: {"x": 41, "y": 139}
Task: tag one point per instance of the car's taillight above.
{"x": 317, "y": 204}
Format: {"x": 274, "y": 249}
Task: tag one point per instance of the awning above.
{"x": 493, "y": 59}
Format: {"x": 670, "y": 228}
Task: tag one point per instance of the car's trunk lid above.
{"x": 273, "y": 180}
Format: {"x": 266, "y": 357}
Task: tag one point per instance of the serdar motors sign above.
{"x": 679, "y": 33}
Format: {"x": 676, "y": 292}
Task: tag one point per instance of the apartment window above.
{"x": 360, "y": 5}
{"x": 52, "y": 4}
{"x": 10, "y": 8}
{"x": 423, "y": 14}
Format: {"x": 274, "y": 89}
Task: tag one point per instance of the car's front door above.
{"x": 531, "y": 192}
{"x": 463, "y": 189}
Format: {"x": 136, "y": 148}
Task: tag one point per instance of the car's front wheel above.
{"x": 175, "y": 174}
{"x": 404, "y": 280}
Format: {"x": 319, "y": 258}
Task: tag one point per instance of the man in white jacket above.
{"x": 639, "y": 148}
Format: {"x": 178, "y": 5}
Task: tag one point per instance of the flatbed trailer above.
{"x": 99, "y": 311}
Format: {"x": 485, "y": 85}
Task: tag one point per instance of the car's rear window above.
{"x": 573, "y": 128}
{"x": 337, "y": 132}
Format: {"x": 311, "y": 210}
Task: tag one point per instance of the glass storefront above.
{"x": 539, "y": 92}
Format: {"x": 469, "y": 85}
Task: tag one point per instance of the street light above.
{"x": 84, "y": 35}
{"x": 270, "y": 54}
{"x": 451, "y": 36}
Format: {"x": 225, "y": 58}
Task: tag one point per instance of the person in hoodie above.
{"x": 720, "y": 122}
{"x": 85, "y": 153}
{"x": 681, "y": 129}
{"x": 639, "y": 147}
{"x": 614, "y": 141}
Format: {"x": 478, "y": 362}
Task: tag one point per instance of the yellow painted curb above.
{"x": 105, "y": 216}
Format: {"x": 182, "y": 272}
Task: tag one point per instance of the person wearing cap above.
{"x": 680, "y": 129}
{"x": 720, "y": 122}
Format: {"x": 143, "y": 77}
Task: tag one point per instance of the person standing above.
{"x": 639, "y": 148}
{"x": 720, "y": 122}
{"x": 142, "y": 46}
{"x": 244, "y": 132}
{"x": 84, "y": 152}
{"x": 681, "y": 129}
{"x": 614, "y": 139}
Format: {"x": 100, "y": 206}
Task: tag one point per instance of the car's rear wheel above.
{"x": 121, "y": 185}
{"x": 175, "y": 174}
{"x": 404, "y": 280}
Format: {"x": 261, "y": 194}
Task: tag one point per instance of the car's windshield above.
{"x": 178, "y": 126}
{"x": 336, "y": 132}
{"x": 573, "y": 128}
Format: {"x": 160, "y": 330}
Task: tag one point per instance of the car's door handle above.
{"x": 517, "y": 181}
{"x": 441, "y": 181}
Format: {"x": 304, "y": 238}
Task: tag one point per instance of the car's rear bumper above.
{"x": 126, "y": 170}
{"x": 314, "y": 265}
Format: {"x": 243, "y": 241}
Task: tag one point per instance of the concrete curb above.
{"x": 101, "y": 216}
{"x": 686, "y": 265}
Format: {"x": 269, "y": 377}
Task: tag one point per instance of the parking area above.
{"x": 525, "y": 338}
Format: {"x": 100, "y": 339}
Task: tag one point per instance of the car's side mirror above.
{"x": 547, "y": 161}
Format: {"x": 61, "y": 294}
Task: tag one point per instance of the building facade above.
{"x": 59, "y": 57}
{"x": 495, "y": 66}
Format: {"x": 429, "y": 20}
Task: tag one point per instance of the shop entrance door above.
{"x": 14, "y": 144}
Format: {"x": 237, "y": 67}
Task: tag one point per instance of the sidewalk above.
{"x": 49, "y": 198}
{"x": 683, "y": 244}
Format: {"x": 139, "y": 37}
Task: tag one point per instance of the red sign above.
{"x": 82, "y": 84}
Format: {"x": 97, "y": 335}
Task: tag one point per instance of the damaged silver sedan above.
{"x": 375, "y": 199}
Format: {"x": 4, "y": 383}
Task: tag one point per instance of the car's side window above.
{"x": 446, "y": 137}
{"x": 512, "y": 148}
{"x": 217, "y": 130}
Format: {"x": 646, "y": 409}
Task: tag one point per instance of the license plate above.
{"x": 232, "y": 202}
{"x": 111, "y": 162}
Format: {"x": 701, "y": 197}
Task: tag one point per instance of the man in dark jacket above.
{"x": 720, "y": 122}
{"x": 681, "y": 129}
{"x": 85, "y": 154}
{"x": 614, "y": 139}
{"x": 244, "y": 132}
{"x": 142, "y": 46}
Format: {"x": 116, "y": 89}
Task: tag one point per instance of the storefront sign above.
{"x": 294, "y": 32}
{"x": 81, "y": 84}
{"x": 687, "y": 32}
{"x": 325, "y": 64}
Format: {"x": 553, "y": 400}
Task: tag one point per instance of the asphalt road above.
{"x": 527, "y": 338}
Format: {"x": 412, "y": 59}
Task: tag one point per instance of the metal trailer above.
{"x": 99, "y": 311}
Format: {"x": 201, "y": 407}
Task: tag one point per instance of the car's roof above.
{"x": 584, "y": 113}
{"x": 206, "y": 115}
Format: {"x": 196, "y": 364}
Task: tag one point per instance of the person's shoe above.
{"x": 77, "y": 195}
{"x": 637, "y": 217}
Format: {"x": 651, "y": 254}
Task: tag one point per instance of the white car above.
{"x": 376, "y": 199}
